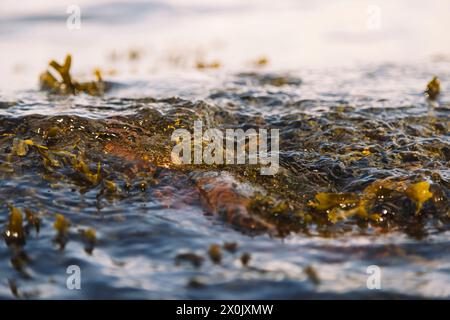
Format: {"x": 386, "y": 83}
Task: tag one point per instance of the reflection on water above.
{"x": 343, "y": 124}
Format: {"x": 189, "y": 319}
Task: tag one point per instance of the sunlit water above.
{"x": 336, "y": 72}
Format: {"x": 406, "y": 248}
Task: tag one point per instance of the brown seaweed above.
{"x": 15, "y": 231}
{"x": 433, "y": 88}
{"x": 66, "y": 84}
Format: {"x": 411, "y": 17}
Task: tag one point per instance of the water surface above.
{"x": 332, "y": 87}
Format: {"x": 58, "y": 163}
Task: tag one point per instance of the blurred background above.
{"x": 140, "y": 39}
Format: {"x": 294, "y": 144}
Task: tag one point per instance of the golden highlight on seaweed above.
{"x": 340, "y": 206}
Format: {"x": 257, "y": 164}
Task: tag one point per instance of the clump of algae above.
{"x": 61, "y": 225}
{"x": 419, "y": 193}
{"x": 193, "y": 258}
{"x": 261, "y": 61}
{"x": 65, "y": 84}
{"x": 33, "y": 220}
{"x": 324, "y": 201}
{"x": 15, "y": 232}
{"x": 341, "y": 206}
{"x": 50, "y": 160}
{"x": 19, "y": 147}
{"x": 433, "y": 88}
{"x": 80, "y": 166}
{"x": 90, "y": 239}
{"x": 245, "y": 258}
{"x": 201, "y": 65}
{"x": 215, "y": 253}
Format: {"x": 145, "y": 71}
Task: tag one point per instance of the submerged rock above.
{"x": 334, "y": 171}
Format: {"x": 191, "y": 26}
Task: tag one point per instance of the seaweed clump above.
{"x": 15, "y": 232}
{"x": 61, "y": 225}
{"x": 384, "y": 203}
{"x": 433, "y": 88}
{"x": 90, "y": 239}
{"x": 215, "y": 253}
{"x": 201, "y": 65}
{"x": 66, "y": 84}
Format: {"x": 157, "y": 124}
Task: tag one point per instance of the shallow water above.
{"x": 327, "y": 116}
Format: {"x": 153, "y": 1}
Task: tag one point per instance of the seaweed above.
{"x": 15, "y": 232}
{"x": 230, "y": 246}
{"x": 245, "y": 259}
{"x": 261, "y": 61}
{"x": 312, "y": 275}
{"x": 20, "y": 147}
{"x": 66, "y": 84}
{"x": 215, "y": 253}
{"x": 201, "y": 65}
{"x": 324, "y": 201}
{"x": 420, "y": 193}
{"x": 343, "y": 206}
{"x": 83, "y": 169}
{"x": 33, "y": 221}
{"x": 61, "y": 225}
{"x": 193, "y": 258}
{"x": 90, "y": 239}
{"x": 433, "y": 88}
